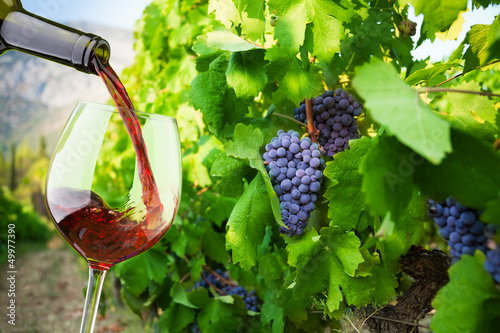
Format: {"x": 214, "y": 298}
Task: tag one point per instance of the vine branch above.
{"x": 463, "y": 73}
{"x": 289, "y": 118}
{"x": 460, "y": 91}
{"x": 220, "y": 277}
{"x": 313, "y": 132}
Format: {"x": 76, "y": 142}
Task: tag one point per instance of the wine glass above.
{"x": 107, "y": 200}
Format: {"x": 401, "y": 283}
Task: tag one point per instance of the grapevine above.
{"x": 318, "y": 218}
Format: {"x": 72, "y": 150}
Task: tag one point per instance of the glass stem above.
{"x": 96, "y": 279}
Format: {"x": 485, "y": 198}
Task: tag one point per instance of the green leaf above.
{"x": 477, "y": 53}
{"x": 396, "y": 236}
{"x": 471, "y": 157}
{"x": 470, "y": 302}
{"x": 388, "y": 176}
{"x": 347, "y": 201}
{"x": 298, "y": 83}
{"x": 179, "y": 295}
{"x": 218, "y": 103}
{"x": 224, "y": 39}
{"x": 246, "y": 145}
{"x": 494, "y": 39}
{"x": 253, "y": 19}
{"x": 470, "y": 113}
{"x": 232, "y": 172}
{"x": 219, "y": 316}
{"x": 326, "y": 18}
{"x": 246, "y": 73}
{"x": 225, "y": 12}
{"x": 427, "y": 74}
{"x": 176, "y": 318}
{"x": 441, "y": 13}
{"x": 333, "y": 259}
{"x": 213, "y": 244}
{"x": 395, "y": 105}
{"x": 271, "y": 311}
{"x": 492, "y": 212}
{"x": 247, "y": 223}
{"x": 137, "y": 272}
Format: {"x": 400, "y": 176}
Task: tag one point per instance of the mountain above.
{"x": 37, "y": 96}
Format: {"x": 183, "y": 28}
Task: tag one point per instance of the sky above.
{"x": 124, "y": 14}
{"x": 115, "y": 13}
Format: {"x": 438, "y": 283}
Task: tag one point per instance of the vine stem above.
{"x": 220, "y": 292}
{"x": 463, "y": 73}
{"x": 496, "y": 145}
{"x": 289, "y": 118}
{"x": 220, "y": 277}
{"x": 460, "y": 91}
{"x": 401, "y": 322}
{"x": 313, "y": 132}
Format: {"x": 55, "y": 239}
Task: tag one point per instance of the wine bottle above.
{"x": 29, "y": 33}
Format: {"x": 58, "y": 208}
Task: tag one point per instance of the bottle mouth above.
{"x": 86, "y": 48}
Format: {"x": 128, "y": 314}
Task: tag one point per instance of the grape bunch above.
{"x": 408, "y": 28}
{"x": 333, "y": 114}
{"x": 459, "y": 225}
{"x": 295, "y": 167}
{"x": 465, "y": 233}
{"x": 249, "y": 297}
{"x": 220, "y": 281}
{"x": 492, "y": 264}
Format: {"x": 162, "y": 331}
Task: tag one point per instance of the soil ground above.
{"x": 49, "y": 295}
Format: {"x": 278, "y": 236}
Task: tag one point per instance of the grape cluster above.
{"x": 208, "y": 279}
{"x": 465, "y": 233}
{"x": 408, "y": 28}
{"x": 295, "y": 167}
{"x": 492, "y": 264}
{"x": 333, "y": 114}
{"x": 459, "y": 225}
{"x": 249, "y": 297}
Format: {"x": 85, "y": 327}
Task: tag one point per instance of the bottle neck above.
{"x": 32, "y": 34}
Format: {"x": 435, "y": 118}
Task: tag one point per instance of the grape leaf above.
{"x": 206, "y": 54}
{"x": 179, "y": 295}
{"x": 299, "y": 83}
{"x": 327, "y": 18}
{"x": 494, "y": 39}
{"x": 271, "y": 311}
{"x": 426, "y": 74}
{"x": 218, "y": 316}
{"x": 441, "y": 13}
{"x": 224, "y": 39}
{"x": 395, "y": 105}
{"x": 453, "y": 31}
{"x": 232, "y": 172}
{"x": 183, "y": 317}
{"x": 345, "y": 196}
{"x": 213, "y": 245}
{"x": 396, "y": 236}
{"x": 218, "y": 103}
{"x": 247, "y": 223}
{"x": 137, "y": 272}
{"x": 246, "y": 145}
{"x": 246, "y": 73}
{"x": 388, "y": 176}
{"x": 331, "y": 258}
{"x": 225, "y": 12}
{"x": 477, "y": 53}
{"x": 473, "y": 114}
{"x": 471, "y": 157}
{"x": 253, "y": 19}
{"x": 470, "y": 301}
